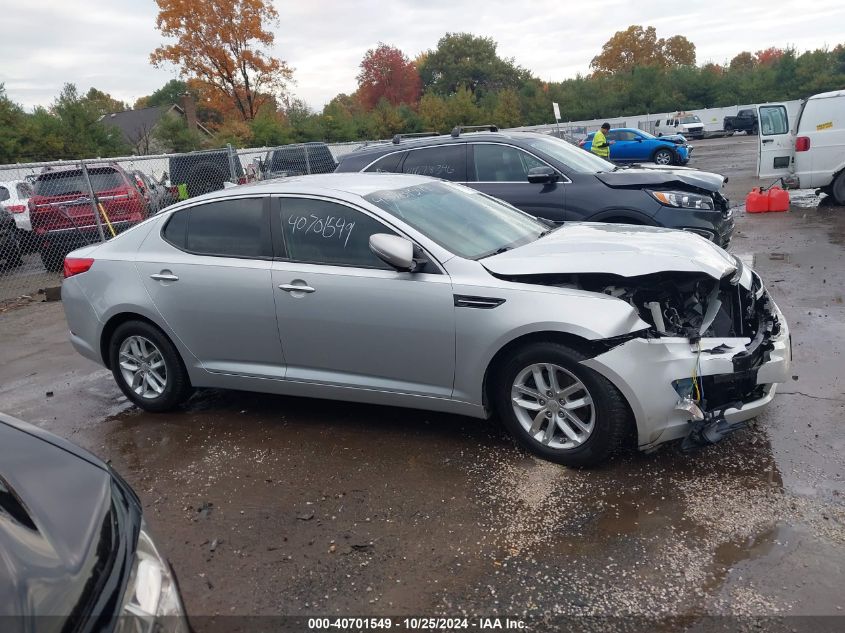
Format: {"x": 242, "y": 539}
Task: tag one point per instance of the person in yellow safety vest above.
{"x": 601, "y": 146}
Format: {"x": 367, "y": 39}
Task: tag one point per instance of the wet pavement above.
{"x": 273, "y": 505}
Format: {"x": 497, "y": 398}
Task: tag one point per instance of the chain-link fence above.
{"x": 50, "y": 209}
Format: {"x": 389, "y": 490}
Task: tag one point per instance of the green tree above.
{"x": 507, "y": 112}
{"x": 463, "y": 60}
{"x": 434, "y": 113}
{"x": 461, "y": 109}
{"x": 172, "y": 132}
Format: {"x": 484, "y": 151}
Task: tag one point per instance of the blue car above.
{"x": 636, "y": 146}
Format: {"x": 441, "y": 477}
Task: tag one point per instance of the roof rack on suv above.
{"x": 397, "y": 138}
{"x": 458, "y": 129}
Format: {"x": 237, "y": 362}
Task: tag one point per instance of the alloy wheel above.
{"x": 142, "y": 367}
{"x": 553, "y": 406}
{"x": 663, "y": 158}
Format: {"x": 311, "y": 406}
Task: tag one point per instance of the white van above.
{"x": 685, "y": 123}
{"x": 809, "y": 154}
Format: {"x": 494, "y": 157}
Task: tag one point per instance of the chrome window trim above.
{"x": 407, "y": 149}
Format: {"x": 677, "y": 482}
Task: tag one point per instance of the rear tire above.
{"x": 14, "y": 259}
{"x": 729, "y": 131}
{"x": 837, "y": 189}
{"x": 147, "y": 367}
{"x": 753, "y": 131}
{"x": 601, "y": 419}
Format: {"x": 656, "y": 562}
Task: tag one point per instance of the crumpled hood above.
{"x": 617, "y": 249}
{"x": 662, "y": 178}
{"x": 53, "y": 504}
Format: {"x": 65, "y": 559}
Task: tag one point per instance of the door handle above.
{"x": 296, "y": 288}
{"x": 164, "y": 276}
{"x": 768, "y": 140}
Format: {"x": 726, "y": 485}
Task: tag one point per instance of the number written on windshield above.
{"x": 327, "y": 227}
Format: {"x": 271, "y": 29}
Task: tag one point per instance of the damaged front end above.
{"x": 710, "y": 360}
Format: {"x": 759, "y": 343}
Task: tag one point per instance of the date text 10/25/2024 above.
{"x": 416, "y": 624}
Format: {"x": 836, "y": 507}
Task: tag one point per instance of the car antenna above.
{"x": 458, "y": 129}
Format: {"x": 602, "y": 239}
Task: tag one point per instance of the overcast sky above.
{"x": 106, "y": 43}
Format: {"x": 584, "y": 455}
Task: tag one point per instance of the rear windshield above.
{"x": 65, "y": 183}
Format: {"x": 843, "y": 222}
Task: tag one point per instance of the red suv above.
{"x": 61, "y": 213}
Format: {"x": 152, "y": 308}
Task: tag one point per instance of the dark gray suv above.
{"x": 556, "y": 181}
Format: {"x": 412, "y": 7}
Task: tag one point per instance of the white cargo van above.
{"x": 685, "y": 123}
{"x": 809, "y": 154}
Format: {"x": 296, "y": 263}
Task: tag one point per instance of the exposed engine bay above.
{"x": 692, "y": 306}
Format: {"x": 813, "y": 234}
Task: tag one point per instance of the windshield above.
{"x": 461, "y": 220}
{"x": 692, "y": 118}
{"x": 570, "y": 156}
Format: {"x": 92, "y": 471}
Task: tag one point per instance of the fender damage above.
{"x": 716, "y": 346}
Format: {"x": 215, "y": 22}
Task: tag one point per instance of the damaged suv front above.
{"x": 716, "y": 345}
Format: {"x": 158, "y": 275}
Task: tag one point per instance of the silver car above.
{"x": 409, "y": 291}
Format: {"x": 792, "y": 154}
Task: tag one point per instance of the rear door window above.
{"x": 225, "y": 228}
{"x": 443, "y": 161}
{"x": 4, "y": 193}
{"x": 72, "y": 181}
{"x": 389, "y": 163}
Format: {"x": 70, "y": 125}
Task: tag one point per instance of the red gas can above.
{"x": 756, "y": 201}
{"x": 778, "y": 199}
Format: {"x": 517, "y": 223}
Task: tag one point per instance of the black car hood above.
{"x": 59, "y": 533}
{"x": 637, "y": 177}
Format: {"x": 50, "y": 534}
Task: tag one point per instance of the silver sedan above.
{"x": 409, "y": 291}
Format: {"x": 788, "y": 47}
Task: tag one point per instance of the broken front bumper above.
{"x": 739, "y": 377}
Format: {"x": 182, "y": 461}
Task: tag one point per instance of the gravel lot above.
{"x": 280, "y": 506}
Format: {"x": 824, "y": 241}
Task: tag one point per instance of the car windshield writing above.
{"x": 73, "y": 182}
{"x": 465, "y": 222}
{"x": 572, "y": 157}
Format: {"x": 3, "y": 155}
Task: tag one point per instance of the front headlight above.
{"x": 151, "y": 602}
{"x": 683, "y": 200}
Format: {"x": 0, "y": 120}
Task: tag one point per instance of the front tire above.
{"x": 664, "y": 157}
{"x": 147, "y": 367}
{"x": 559, "y": 409}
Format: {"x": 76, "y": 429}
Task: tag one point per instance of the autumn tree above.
{"x": 769, "y": 56}
{"x": 433, "y": 112}
{"x": 637, "y": 46}
{"x": 743, "y": 62}
{"x": 222, "y": 44}
{"x": 387, "y": 73}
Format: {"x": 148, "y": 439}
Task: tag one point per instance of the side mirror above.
{"x": 395, "y": 251}
{"x": 542, "y": 174}
{"x": 639, "y": 139}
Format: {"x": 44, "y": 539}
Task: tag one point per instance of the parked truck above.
{"x": 744, "y": 121}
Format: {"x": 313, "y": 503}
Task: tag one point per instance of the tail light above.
{"x": 140, "y": 184}
{"x": 16, "y": 208}
{"x": 76, "y": 265}
{"x": 242, "y": 180}
{"x": 802, "y": 143}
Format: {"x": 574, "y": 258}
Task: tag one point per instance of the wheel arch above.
{"x": 623, "y": 216}
{"x": 587, "y": 347}
{"x": 115, "y": 321}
